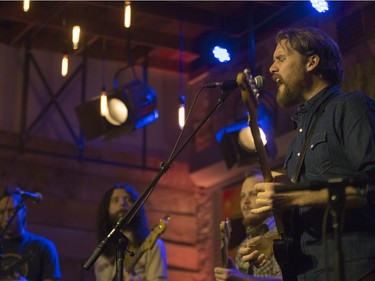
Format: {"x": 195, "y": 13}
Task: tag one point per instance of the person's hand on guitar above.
{"x": 231, "y": 273}
{"x": 258, "y": 250}
{"x": 267, "y": 200}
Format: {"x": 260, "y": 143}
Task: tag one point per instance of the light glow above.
{"x": 26, "y": 5}
{"x": 246, "y": 140}
{"x": 181, "y": 116}
{"x": 64, "y": 65}
{"x": 117, "y": 112}
{"x": 127, "y": 14}
{"x": 103, "y": 103}
{"x": 221, "y": 54}
{"x": 320, "y": 5}
{"x": 75, "y": 36}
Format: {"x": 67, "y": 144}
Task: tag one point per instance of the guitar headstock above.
{"x": 251, "y": 84}
{"x": 225, "y": 233}
{"x": 226, "y": 229}
{"x": 250, "y": 88}
{"x": 159, "y": 229}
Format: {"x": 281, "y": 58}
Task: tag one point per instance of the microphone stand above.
{"x": 116, "y": 235}
{"x": 336, "y": 203}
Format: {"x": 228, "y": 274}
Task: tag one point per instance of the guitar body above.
{"x": 283, "y": 251}
{"x": 149, "y": 242}
{"x": 283, "y": 247}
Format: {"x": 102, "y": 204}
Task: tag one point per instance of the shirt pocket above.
{"x": 317, "y": 159}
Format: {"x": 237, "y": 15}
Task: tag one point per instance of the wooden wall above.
{"x": 71, "y": 191}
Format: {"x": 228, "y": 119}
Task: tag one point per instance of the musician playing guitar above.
{"x": 334, "y": 138}
{"x": 255, "y": 225}
{"x": 150, "y": 263}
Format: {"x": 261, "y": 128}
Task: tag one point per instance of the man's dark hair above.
{"x": 138, "y": 226}
{"x": 311, "y": 41}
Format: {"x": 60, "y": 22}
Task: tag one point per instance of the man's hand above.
{"x": 258, "y": 250}
{"x": 231, "y": 273}
{"x": 267, "y": 200}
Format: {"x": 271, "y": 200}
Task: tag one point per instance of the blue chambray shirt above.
{"x": 342, "y": 145}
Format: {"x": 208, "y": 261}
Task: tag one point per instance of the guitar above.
{"x": 225, "y": 231}
{"x": 282, "y": 247}
{"x": 150, "y": 241}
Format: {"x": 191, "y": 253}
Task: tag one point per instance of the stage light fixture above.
{"x": 236, "y": 140}
{"x": 233, "y": 152}
{"x": 127, "y": 108}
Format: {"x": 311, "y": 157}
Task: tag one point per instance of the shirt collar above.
{"x": 311, "y": 105}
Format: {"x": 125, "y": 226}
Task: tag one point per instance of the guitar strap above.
{"x": 308, "y": 138}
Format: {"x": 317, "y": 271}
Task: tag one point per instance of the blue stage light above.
{"x": 320, "y": 5}
{"x": 221, "y": 54}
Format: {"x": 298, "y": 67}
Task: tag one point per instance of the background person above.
{"x": 25, "y": 256}
{"x": 256, "y": 225}
{"x": 152, "y": 266}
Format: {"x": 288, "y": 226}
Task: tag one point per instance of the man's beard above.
{"x": 292, "y": 91}
{"x": 116, "y": 217}
{"x": 254, "y": 220}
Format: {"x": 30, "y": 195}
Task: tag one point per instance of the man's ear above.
{"x": 312, "y": 62}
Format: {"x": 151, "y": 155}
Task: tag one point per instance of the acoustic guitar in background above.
{"x": 225, "y": 232}
{"x": 150, "y": 241}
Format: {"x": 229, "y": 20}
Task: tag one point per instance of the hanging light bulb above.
{"x": 181, "y": 112}
{"x": 75, "y": 36}
{"x": 64, "y": 65}
{"x": 26, "y": 5}
{"x": 103, "y": 103}
{"x": 127, "y": 14}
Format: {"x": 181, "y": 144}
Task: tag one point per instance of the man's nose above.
{"x": 272, "y": 68}
{"x": 247, "y": 200}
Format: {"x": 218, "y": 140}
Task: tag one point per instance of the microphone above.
{"x": 232, "y": 84}
{"x": 225, "y": 86}
{"x": 34, "y": 197}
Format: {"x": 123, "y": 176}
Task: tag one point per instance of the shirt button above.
{"x": 298, "y": 154}
{"x": 312, "y": 146}
{"x": 300, "y": 130}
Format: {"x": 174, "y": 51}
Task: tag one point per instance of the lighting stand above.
{"x": 123, "y": 222}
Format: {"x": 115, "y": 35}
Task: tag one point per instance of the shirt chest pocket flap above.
{"x": 317, "y": 155}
